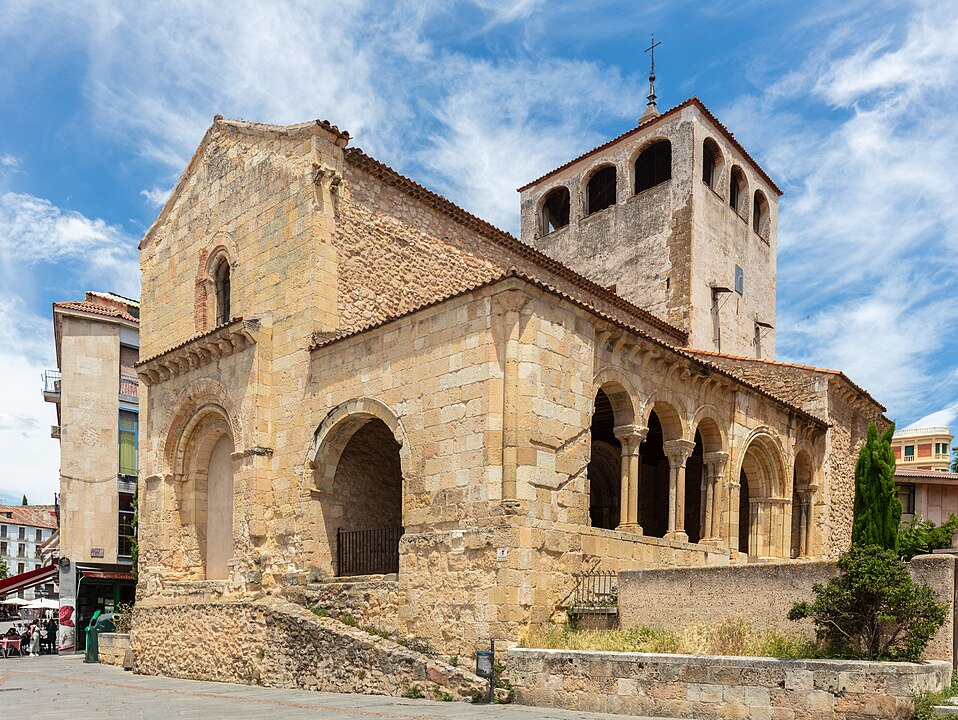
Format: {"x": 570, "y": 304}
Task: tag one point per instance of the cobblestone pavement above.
{"x": 66, "y": 688}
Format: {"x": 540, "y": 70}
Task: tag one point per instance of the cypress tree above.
{"x": 877, "y": 508}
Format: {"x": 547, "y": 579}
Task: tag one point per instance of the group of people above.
{"x": 37, "y": 636}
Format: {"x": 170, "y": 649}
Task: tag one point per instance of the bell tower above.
{"x": 677, "y": 217}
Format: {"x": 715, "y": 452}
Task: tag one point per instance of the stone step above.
{"x": 946, "y": 710}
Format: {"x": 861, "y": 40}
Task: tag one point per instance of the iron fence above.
{"x": 51, "y": 382}
{"x": 596, "y": 590}
{"x": 367, "y": 552}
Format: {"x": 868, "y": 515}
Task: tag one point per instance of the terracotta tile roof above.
{"x": 519, "y": 249}
{"x": 779, "y": 363}
{"x": 930, "y": 474}
{"x": 191, "y": 338}
{"x": 96, "y": 309}
{"x": 40, "y": 516}
{"x": 649, "y": 123}
{"x": 323, "y": 340}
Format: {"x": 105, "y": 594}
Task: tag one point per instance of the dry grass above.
{"x": 730, "y": 637}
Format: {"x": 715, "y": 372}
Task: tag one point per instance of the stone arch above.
{"x": 762, "y": 498}
{"x": 665, "y": 405}
{"x": 223, "y": 249}
{"x": 555, "y": 209}
{"x": 601, "y": 188}
{"x": 184, "y": 409}
{"x": 738, "y": 191}
{"x": 713, "y": 163}
{"x": 652, "y": 164}
{"x": 203, "y": 471}
{"x": 621, "y": 391}
{"x": 803, "y": 496}
{"x": 706, "y": 422}
{"x": 760, "y": 215}
{"x": 703, "y": 472}
{"x": 360, "y": 460}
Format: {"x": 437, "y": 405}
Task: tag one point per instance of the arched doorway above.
{"x": 762, "y": 531}
{"x": 358, "y": 471}
{"x": 655, "y": 480}
{"x": 802, "y": 493}
{"x": 219, "y": 510}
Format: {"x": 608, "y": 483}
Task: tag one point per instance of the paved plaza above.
{"x": 64, "y": 687}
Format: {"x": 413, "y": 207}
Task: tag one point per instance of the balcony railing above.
{"x": 51, "y": 385}
{"x": 596, "y": 591}
{"x": 55, "y": 432}
{"x": 129, "y": 386}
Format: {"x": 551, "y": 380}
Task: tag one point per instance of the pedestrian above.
{"x": 34, "y": 640}
{"x": 52, "y": 636}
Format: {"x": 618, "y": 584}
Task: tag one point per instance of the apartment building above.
{"x": 24, "y": 531}
{"x": 926, "y": 485}
{"x": 96, "y": 394}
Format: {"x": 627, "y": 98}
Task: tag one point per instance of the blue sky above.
{"x": 849, "y": 106}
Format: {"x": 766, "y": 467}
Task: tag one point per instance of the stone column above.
{"x": 631, "y": 437}
{"x": 678, "y": 452}
{"x": 805, "y": 521}
{"x": 715, "y": 464}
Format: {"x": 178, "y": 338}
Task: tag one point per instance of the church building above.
{"x": 346, "y": 376}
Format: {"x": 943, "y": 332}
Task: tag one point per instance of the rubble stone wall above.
{"x": 719, "y": 688}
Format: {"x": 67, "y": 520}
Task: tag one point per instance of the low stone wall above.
{"x": 278, "y": 644}
{"x": 371, "y": 600}
{"x": 721, "y": 688}
{"x": 763, "y": 593}
{"x": 112, "y": 648}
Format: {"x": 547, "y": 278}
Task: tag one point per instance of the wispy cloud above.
{"x": 157, "y": 197}
{"x": 9, "y": 162}
{"x": 868, "y": 274}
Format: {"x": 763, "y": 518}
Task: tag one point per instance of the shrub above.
{"x": 123, "y": 620}
{"x": 922, "y": 536}
{"x": 349, "y": 620}
{"x": 413, "y": 692}
{"x": 873, "y": 610}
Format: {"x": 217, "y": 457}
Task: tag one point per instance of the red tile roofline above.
{"x": 810, "y": 368}
{"x": 95, "y": 309}
{"x": 355, "y": 156}
{"x": 649, "y": 123}
{"x": 930, "y": 474}
{"x": 191, "y": 338}
{"x": 37, "y": 516}
{"x": 317, "y": 342}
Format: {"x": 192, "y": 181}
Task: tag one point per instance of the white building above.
{"x": 23, "y": 531}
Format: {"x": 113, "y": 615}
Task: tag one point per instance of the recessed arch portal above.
{"x": 762, "y": 511}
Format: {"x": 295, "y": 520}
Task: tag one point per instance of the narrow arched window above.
{"x": 737, "y": 190}
{"x": 222, "y": 277}
{"x": 555, "y": 210}
{"x": 711, "y": 163}
{"x": 760, "y": 215}
{"x": 601, "y": 190}
{"x": 653, "y": 166}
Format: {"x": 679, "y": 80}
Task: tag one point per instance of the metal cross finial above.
{"x": 651, "y": 111}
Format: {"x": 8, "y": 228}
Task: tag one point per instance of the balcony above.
{"x": 51, "y": 385}
{"x": 129, "y": 388}
{"x": 55, "y": 432}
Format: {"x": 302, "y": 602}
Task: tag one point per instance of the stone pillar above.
{"x": 714, "y": 464}
{"x": 805, "y": 521}
{"x": 678, "y": 452}
{"x": 631, "y": 437}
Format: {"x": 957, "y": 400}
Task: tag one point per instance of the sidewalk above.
{"x": 65, "y": 687}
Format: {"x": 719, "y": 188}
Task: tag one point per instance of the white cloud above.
{"x": 868, "y": 275}
{"x": 940, "y": 418}
{"x": 10, "y": 162}
{"x": 157, "y": 196}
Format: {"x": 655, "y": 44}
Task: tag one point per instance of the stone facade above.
{"x": 394, "y": 363}
{"x": 721, "y": 688}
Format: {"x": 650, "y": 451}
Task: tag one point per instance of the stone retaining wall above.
{"x": 371, "y": 600}
{"x": 112, "y": 648}
{"x": 761, "y": 592}
{"x": 721, "y": 688}
{"x": 278, "y": 644}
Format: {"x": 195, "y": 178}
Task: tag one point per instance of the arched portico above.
{"x": 761, "y": 528}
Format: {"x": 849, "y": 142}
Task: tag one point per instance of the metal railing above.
{"x": 129, "y": 386}
{"x": 367, "y": 552}
{"x": 596, "y": 590}
{"x": 51, "y": 382}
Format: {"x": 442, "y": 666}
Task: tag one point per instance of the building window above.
{"x": 21, "y": 550}
{"x": 22, "y": 533}
{"x": 20, "y": 571}
{"x": 653, "y": 166}
{"x": 760, "y": 215}
{"x": 128, "y": 429}
{"x": 39, "y": 536}
{"x": 222, "y": 277}
{"x": 737, "y": 191}
{"x": 3, "y": 530}
{"x": 3, "y": 549}
{"x": 711, "y": 163}
{"x": 909, "y": 452}
{"x": 555, "y": 210}
{"x": 739, "y": 280}
{"x": 906, "y": 495}
{"x": 125, "y": 526}
{"x": 600, "y": 192}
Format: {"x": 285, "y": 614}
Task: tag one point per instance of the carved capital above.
{"x": 678, "y": 451}
{"x": 715, "y": 463}
{"x": 631, "y": 437}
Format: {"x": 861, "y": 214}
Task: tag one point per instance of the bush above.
{"x": 922, "y": 536}
{"x": 873, "y": 610}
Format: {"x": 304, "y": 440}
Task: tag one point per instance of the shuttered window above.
{"x": 128, "y": 433}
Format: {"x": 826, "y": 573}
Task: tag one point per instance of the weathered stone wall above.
{"x": 760, "y": 593}
{"x": 375, "y": 599}
{"x": 719, "y": 688}
{"x": 113, "y": 648}
{"x": 278, "y": 644}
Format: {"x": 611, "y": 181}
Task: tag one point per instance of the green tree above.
{"x": 4, "y": 571}
{"x": 877, "y": 508}
{"x": 873, "y": 610}
{"x": 24, "y": 501}
{"x": 922, "y": 536}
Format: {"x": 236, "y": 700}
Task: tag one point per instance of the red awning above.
{"x": 104, "y": 575}
{"x": 27, "y": 580}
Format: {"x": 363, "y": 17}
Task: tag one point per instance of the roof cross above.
{"x": 651, "y": 110}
